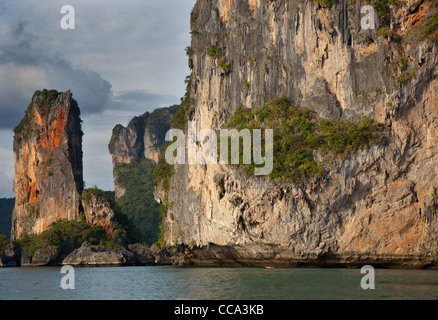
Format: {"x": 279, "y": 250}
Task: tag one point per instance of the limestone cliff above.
{"x": 135, "y": 150}
{"x": 48, "y": 163}
{"x": 140, "y": 139}
{"x": 99, "y": 212}
{"x": 381, "y": 201}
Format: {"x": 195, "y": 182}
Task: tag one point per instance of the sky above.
{"x": 122, "y": 59}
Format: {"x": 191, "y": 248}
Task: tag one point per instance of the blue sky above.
{"x": 124, "y": 58}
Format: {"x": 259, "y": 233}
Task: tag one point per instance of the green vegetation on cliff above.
{"x": 60, "y": 233}
{"x": 25, "y": 125}
{"x": 125, "y": 228}
{"x": 138, "y": 202}
{"x": 163, "y": 171}
{"x": 69, "y": 235}
{"x": 49, "y": 96}
{"x": 429, "y": 29}
{"x": 300, "y": 138}
{"x": 95, "y": 191}
{"x": 3, "y": 243}
{"x": 179, "y": 119}
{"x": 382, "y": 8}
{"x": 328, "y": 3}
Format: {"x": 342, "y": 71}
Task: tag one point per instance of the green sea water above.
{"x": 187, "y": 283}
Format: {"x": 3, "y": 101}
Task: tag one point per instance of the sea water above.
{"x": 189, "y": 283}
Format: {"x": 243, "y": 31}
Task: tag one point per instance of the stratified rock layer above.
{"x": 48, "y": 163}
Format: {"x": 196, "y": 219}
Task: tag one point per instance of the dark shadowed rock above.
{"x": 9, "y": 258}
{"x": 46, "y": 256}
{"x": 142, "y": 255}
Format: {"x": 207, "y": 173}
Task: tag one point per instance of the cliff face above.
{"x": 140, "y": 140}
{"x": 98, "y": 212}
{"x": 381, "y": 201}
{"x": 48, "y": 163}
{"x": 135, "y": 151}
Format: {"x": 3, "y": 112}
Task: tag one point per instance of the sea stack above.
{"x": 48, "y": 163}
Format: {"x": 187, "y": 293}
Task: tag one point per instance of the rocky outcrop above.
{"x": 48, "y": 170}
{"x": 47, "y": 255}
{"x": 141, "y": 139}
{"x": 99, "y": 212}
{"x": 93, "y": 256}
{"x": 98, "y": 256}
{"x": 271, "y": 255}
{"x": 135, "y": 254}
{"x": 10, "y": 257}
{"x": 142, "y": 255}
{"x": 48, "y": 163}
{"x": 378, "y": 204}
{"x": 156, "y": 256}
{"x": 135, "y": 151}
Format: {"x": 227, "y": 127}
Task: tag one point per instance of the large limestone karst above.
{"x": 378, "y": 202}
{"x": 141, "y": 139}
{"x": 48, "y": 169}
{"x": 48, "y": 163}
{"x": 135, "y": 150}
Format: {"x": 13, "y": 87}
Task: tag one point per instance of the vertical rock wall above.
{"x": 140, "y": 139}
{"x": 377, "y": 202}
{"x": 48, "y": 163}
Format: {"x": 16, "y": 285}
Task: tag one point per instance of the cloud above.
{"x": 6, "y": 173}
{"x": 136, "y": 45}
{"x": 123, "y": 59}
{"x": 138, "y": 102}
{"x": 25, "y": 68}
{"x": 2, "y": 7}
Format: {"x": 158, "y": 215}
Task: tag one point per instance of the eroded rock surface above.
{"x": 48, "y": 163}
{"x": 380, "y": 202}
